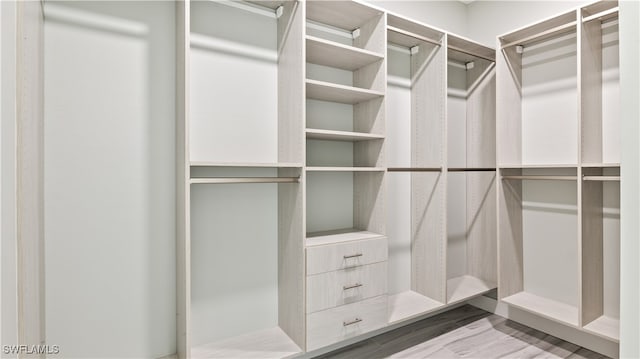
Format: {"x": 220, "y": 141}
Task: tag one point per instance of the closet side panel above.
{"x": 183, "y": 265}
{"x": 30, "y": 152}
{"x": 291, "y": 258}
{"x": 428, "y": 221}
{"x": 291, "y": 91}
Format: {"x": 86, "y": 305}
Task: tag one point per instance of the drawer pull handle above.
{"x": 355, "y": 321}
{"x": 353, "y": 256}
{"x": 347, "y": 287}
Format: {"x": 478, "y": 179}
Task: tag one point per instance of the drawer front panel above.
{"x": 332, "y": 257}
{"x": 333, "y": 325}
{"x": 332, "y": 289}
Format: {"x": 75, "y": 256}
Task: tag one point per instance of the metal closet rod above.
{"x": 465, "y": 169}
{"x": 440, "y": 169}
{"x": 601, "y": 178}
{"x": 239, "y": 180}
{"x": 414, "y": 169}
{"x": 554, "y": 178}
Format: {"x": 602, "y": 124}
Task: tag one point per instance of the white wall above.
{"x": 109, "y": 178}
{"x": 449, "y": 15}
{"x": 488, "y": 19}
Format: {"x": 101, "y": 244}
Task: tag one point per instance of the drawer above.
{"x": 331, "y": 257}
{"x": 336, "y": 324}
{"x": 332, "y": 289}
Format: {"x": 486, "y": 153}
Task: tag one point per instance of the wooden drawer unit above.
{"x": 332, "y": 289}
{"x": 336, "y": 324}
{"x": 332, "y": 257}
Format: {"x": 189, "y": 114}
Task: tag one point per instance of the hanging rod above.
{"x": 463, "y": 169}
{"x": 601, "y": 14}
{"x": 414, "y": 169}
{"x": 232, "y": 180}
{"x": 458, "y": 49}
{"x": 555, "y": 178}
{"x": 541, "y": 34}
{"x": 415, "y": 36}
{"x": 601, "y": 178}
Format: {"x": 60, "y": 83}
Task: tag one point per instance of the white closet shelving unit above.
{"x": 417, "y": 209}
{"x": 558, "y": 154}
{"x": 345, "y": 171}
{"x": 345, "y": 124}
{"x": 441, "y": 143}
{"x": 240, "y": 288}
{"x": 470, "y": 170}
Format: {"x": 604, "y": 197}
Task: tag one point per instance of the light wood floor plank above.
{"x": 464, "y": 332}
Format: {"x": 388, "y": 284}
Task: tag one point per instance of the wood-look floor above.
{"x": 465, "y": 332}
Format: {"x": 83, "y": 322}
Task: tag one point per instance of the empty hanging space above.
{"x": 471, "y": 177}
{"x": 345, "y": 86}
{"x": 242, "y": 96}
{"x": 537, "y": 116}
{"x": 415, "y": 137}
{"x": 601, "y": 251}
{"x": 600, "y": 85}
{"x": 538, "y": 242}
{"x": 244, "y": 144}
{"x": 257, "y": 310}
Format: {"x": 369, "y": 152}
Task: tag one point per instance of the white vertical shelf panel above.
{"x": 291, "y": 198}
{"x": 183, "y": 195}
{"x": 30, "y": 173}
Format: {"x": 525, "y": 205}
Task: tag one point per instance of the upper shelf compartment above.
{"x": 537, "y": 117}
{"x": 345, "y": 45}
{"x": 406, "y": 33}
{"x": 601, "y": 11}
{"x": 541, "y": 31}
{"x": 347, "y": 22}
{"x": 241, "y": 67}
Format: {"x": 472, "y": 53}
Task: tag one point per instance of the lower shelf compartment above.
{"x": 466, "y": 287}
{"x": 267, "y": 343}
{"x": 605, "y": 326}
{"x": 409, "y": 304}
{"x": 548, "y": 308}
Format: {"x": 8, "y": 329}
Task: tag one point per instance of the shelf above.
{"x": 346, "y": 15}
{"x": 329, "y": 53}
{"x": 268, "y": 343}
{"x": 600, "y": 165}
{"x": 409, "y": 304}
{"x": 338, "y": 236}
{"x": 318, "y": 134}
{"x": 408, "y": 39}
{"x": 326, "y": 91}
{"x": 345, "y": 169}
{"x": 466, "y": 287}
{"x": 541, "y": 30}
{"x": 606, "y": 327}
{"x": 537, "y": 166}
{"x": 548, "y": 308}
{"x": 246, "y": 164}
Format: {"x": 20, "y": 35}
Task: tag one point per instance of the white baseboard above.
{"x": 567, "y": 333}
